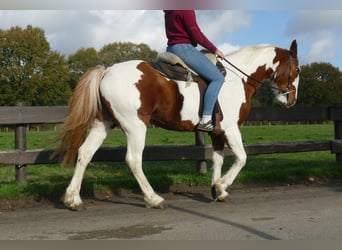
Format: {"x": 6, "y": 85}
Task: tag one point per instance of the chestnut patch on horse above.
{"x": 161, "y": 101}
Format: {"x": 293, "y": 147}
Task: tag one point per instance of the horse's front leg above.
{"x": 97, "y": 134}
{"x": 217, "y": 158}
{"x": 220, "y": 185}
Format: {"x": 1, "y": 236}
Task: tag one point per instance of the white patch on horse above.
{"x": 123, "y": 95}
{"x": 191, "y": 95}
{"x": 231, "y": 97}
{"x": 296, "y": 83}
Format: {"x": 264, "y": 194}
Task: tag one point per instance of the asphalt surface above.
{"x": 291, "y": 212}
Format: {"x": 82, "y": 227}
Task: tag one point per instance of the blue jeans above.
{"x": 197, "y": 61}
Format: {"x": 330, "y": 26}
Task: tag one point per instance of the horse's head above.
{"x": 285, "y": 78}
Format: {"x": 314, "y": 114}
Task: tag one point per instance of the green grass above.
{"x": 50, "y": 181}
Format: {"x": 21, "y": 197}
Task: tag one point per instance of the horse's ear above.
{"x": 293, "y": 49}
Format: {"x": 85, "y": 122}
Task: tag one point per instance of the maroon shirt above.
{"x": 181, "y": 27}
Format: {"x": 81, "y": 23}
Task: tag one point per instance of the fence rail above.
{"x": 22, "y": 116}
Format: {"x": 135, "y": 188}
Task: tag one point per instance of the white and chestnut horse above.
{"x": 132, "y": 94}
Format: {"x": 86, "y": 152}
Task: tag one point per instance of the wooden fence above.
{"x": 22, "y": 116}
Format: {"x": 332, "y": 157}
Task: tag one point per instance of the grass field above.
{"x": 50, "y": 181}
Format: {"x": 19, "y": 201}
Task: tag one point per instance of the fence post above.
{"x": 335, "y": 114}
{"x": 338, "y": 136}
{"x": 20, "y": 144}
{"x": 201, "y": 165}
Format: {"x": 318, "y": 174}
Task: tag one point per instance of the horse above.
{"x": 132, "y": 95}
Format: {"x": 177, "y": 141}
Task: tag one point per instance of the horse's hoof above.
{"x": 223, "y": 197}
{"x": 74, "y": 207}
{"x": 213, "y": 192}
{"x": 78, "y": 208}
{"x": 155, "y": 201}
{"x": 161, "y": 205}
{"x": 217, "y": 194}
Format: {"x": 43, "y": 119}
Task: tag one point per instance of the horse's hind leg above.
{"x": 135, "y": 145}
{"x": 96, "y": 136}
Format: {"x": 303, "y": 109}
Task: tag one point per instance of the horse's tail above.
{"x": 84, "y": 105}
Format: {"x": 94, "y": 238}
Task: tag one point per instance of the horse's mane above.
{"x": 248, "y": 54}
{"x": 250, "y": 49}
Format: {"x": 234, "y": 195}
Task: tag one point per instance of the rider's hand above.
{"x": 219, "y": 53}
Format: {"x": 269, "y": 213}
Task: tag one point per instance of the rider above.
{"x": 183, "y": 35}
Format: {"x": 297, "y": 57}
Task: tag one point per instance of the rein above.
{"x": 271, "y": 80}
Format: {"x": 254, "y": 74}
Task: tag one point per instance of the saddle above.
{"x": 173, "y": 67}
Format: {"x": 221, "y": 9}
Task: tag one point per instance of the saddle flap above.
{"x": 170, "y": 58}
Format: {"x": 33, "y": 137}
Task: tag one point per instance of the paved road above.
{"x": 295, "y": 212}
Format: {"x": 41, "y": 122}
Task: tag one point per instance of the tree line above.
{"x": 32, "y": 73}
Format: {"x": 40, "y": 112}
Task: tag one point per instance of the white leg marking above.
{"x": 97, "y": 134}
{"x": 218, "y": 157}
{"x": 236, "y": 144}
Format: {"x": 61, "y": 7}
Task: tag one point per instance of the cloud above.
{"x": 313, "y": 21}
{"x": 218, "y": 24}
{"x": 322, "y": 49}
{"x": 321, "y": 30}
{"x": 69, "y": 30}
{"x": 228, "y": 48}
{"x": 130, "y": 26}
{"x": 66, "y": 31}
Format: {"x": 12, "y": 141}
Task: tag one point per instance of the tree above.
{"x": 320, "y": 84}
{"x": 29, "y": 71}
{"x": 111, "y": 53}
{"x": 80, "y": 62}
{"x": 119, "y": 52}
{"x": 263, "y": 97}
{"x": 84, "y": 59}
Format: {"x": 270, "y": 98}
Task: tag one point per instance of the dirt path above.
{"x": 290, "y": 212}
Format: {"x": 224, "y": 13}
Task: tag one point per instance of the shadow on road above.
{"x": 227, "y": 222}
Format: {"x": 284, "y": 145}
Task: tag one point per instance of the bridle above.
{"x": 270, "y": 80}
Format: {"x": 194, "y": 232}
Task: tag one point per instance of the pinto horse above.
{"x": 132, "y": 94}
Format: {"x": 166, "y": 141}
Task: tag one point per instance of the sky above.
{"x": 318, "y": 31}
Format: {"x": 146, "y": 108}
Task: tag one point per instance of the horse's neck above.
{"x": 252, "y": 55}
{"x": 254, "y": 61}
